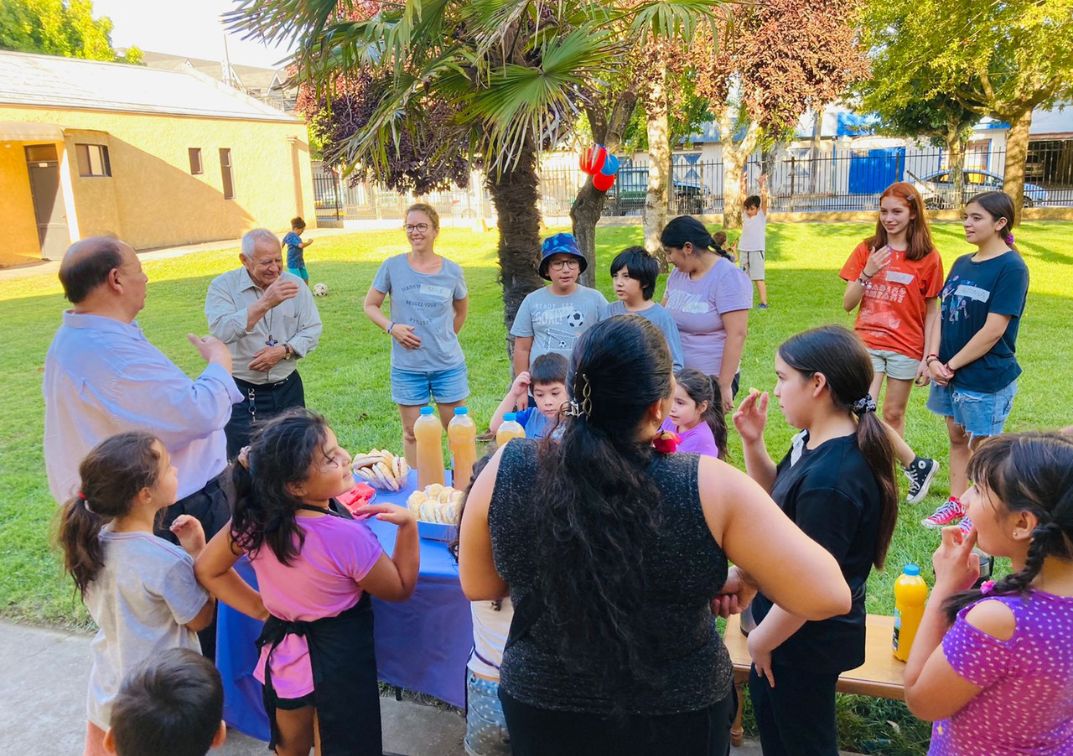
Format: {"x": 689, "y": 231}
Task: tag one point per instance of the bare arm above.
{"x": 763, "y": 193}
{"x": 461, "y": 308}
{"x": 523, "y": 346}
{"x": 750, "y": 420}
{"x": 374, "y": 300}
{"x": 214, "y": 568}
{"x": 394, "y": 579}
{"x": 736, "y": 324}
{"x": 480, "y": 581}
{"x": 517, "y": 396}
{"x": 981, "y": 342}
{"x": 853, "y": 295}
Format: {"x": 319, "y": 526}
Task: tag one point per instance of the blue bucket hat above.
{"x": 559, "y": 244}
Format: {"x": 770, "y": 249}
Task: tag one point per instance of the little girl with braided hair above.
{"x": 993, "y": 667}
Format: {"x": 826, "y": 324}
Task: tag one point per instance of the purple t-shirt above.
{"x": 698, "y": 307}
{"x": 697, "y": 440}
{"x": 1026, "y": 702}
{"x": 322, "y": 581}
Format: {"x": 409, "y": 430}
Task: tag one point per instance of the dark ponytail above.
{"x": 998, "y": 205}
{"x": 685, "y": 229}
{"x": 1026, "y": 472}
{"x": 112, "y": 475}
{"x": 703, "y": 388}
{"x": 841, "y": 357}
{"x": 599, "y": 502}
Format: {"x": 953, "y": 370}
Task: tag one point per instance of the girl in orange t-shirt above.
{"x": 895, "y": 277}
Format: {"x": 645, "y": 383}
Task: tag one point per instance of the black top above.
{"x": 684, "y": 567}
{"x": 972, "y": 291}
{"x": 832, "y": 495}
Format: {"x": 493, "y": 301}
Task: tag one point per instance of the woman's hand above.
{"x": 727, "y": 396}
{"x": 957, "y": 567}
{"x": 404, "y": 334}
{"x": 751, "y": 416}
{"x": 877, "y": 260}
{"x": 940, "y": 373}
{"x": 923, "y": 377}
{"x": 190, "y": 534}
{"x": 388, "y": 513}
{"x": 737, "y": 593}
{"x": 761, "y": 656}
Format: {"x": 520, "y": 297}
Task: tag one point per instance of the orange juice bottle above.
{"x": 462, "y": 438}
{"x": 508, "y": 429}
{"x": 910, "y": 596}
{"x": 429, "y": 433}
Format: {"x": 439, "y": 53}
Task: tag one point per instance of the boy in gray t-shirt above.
{"x": 552, "y": 318}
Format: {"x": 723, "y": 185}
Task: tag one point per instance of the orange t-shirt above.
{"x": 891, "y": 313}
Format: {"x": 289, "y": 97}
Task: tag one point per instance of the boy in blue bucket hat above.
{"x": 552, "y": 318}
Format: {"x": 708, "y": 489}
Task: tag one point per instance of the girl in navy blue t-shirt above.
{"x": 974, "y": 372}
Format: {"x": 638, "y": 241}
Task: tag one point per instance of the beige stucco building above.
{"x": 158, "y": 158}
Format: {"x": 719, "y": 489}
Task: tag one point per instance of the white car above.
{"x": 937, "y": 189}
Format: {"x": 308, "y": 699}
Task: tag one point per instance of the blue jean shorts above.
{"x": 412, "y": 389}
{"x": 486, "y": 727}
{"x": 979, "y": 413}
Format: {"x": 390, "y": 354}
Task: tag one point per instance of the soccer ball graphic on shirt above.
{"x": 575, "y": 319}
{"x": 320, "y": 290}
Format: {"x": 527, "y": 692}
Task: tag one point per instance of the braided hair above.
{"x": 1026, "y": 472}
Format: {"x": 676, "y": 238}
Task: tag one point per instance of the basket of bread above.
{"x": 437, "y": 509}
{"x": 382, "y": 469}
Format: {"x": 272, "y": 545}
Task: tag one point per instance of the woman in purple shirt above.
{"x": 709, "y": 299}
{"x": 993, "y": 667}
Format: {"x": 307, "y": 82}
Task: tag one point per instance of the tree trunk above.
{"x": 814, "y": 152}
{"x": 514, "y": 193}
{"x": 955, "y": 160}
{"x": 1016, "y": 154}
{"x": 735, "y": 156}
{"x": 658, "y": 194}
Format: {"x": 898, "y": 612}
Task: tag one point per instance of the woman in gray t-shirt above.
{"x": 429, "y": 302}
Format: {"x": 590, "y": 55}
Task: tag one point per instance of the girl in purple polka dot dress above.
{"x": 993, "y": 667}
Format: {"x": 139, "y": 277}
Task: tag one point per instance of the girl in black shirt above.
{"x": 837, "y": 484}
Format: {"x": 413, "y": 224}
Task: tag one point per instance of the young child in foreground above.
{"x": 547, "y": 382}
{"x": 316, "y": 567}
{"x": 697, "y": 415}
{"x": 634, "y": 273}
{"x": 139, "y": 589}
{"x": 993, "y": 667}
{"x": 295, "y": 246}
{"x": 172, "y": 705}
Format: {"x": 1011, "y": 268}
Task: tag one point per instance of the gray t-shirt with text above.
{"x": 555, "y": 322}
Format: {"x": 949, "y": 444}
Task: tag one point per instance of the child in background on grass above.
{"x": 722, "y": 248}
{"x": 634, "y": 273}
{"x": 172, "y": 705}
{"x": 547, "y": 382}
{"x": 316, "y": 567}
{"x": 993, "y": 667}
{"x": 296, "y": 261}
{"x": 697, "y": 415}
{"x": 752, "y": 246}
{"x": 139, "y": 589}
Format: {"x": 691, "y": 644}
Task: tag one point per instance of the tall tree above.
{"x": 998, "y": 59}
{"x": 59, "y": 27}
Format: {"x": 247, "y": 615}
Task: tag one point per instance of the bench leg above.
{"x": 737, "y": 731}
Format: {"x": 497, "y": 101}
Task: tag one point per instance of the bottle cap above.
{"x": 510, "y": 417}
{"x": 911, "y": 569}
{"x": 460, "y": 410}
{"x": 427, "y": 410}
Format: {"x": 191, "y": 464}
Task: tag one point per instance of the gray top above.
{"x": 555, "y": 322}
{"x": 294, "y": 321}
{"x": 684, "y": 569}
{"x": 141, "y": 599}
{"x": 660, "y": 318}
{"x": 426, "y": 302}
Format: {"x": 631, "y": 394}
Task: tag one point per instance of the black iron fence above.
{"x": 842, "y": 178}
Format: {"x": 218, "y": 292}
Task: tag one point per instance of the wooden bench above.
{"x": 880, "y": 676}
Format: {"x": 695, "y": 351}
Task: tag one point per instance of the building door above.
{"x": 43, "y": 166}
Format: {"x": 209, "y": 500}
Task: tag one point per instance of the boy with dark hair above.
{"x": 296, "y": 261}
{"x": 752, "y": 246}
{"x": 634, "y": 273}
{"x": 547, "y": 382}
{"x": 172, "y": 705}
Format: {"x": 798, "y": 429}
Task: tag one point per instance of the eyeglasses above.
{"x": 340, "y": 458}
{"x": 564, "y": 264}
{"x": 419, "y": 227}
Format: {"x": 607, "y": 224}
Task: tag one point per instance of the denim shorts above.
{"x": 411, "y": 388}
{"x": 894, "y": 364}
{"x": 979, "y": 413}
{"x": 486, "y": 727}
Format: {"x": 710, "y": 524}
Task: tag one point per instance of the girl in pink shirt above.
{"x": 697, "y": 415}
{"x": 315, "y": 566}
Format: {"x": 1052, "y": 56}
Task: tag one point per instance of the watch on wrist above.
{"x": 289, "y": 351}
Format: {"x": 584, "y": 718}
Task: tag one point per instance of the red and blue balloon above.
{"x": 597, "y": 162}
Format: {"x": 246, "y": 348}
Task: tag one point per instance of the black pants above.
{"x": 260, "y": 402}
{"x": 544, "y": 732}
{"x": 797, "y": 716}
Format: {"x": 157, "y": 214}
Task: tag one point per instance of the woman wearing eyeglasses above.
{"x": 552, "y": 319}
{"x": 429, "y": 302}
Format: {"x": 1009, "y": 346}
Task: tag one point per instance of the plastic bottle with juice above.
{"x": 910, "y": 596}
{"x": 462, "y": 438}
{"x": 429, "y": 434}
{"x": 508, "y": 429}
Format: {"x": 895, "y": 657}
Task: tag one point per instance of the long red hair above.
{"x": 917, "y": 235}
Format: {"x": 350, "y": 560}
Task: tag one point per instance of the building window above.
{"x": 225, "y": 171}
{"x": 195, "y": 160}
{"x": 93, "y": 160}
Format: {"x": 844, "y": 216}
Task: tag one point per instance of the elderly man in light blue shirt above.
{"x": 267, "y": 319}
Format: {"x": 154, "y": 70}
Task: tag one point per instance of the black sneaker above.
{"x": 920, "y": 473}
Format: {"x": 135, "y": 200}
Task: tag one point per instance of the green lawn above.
{"x": 346, "y": 379}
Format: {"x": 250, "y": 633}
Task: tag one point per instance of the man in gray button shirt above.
{"x": 268, "y": 320}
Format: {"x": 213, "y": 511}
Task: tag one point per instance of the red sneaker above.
{"x": 945, "y": 515}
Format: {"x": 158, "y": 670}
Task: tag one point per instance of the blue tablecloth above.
{"x": 422, "y": 644}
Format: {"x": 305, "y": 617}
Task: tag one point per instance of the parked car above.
{"x": 937, "y": 189}
{"x": 631, "y": 186}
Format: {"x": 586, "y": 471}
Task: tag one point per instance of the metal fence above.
{"x": 843, "y": 179}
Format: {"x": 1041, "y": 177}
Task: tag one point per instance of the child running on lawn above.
{"x": 295, "y": 246}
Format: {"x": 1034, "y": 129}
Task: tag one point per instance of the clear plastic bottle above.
{"x": 462, "y": 438}
{"x": 910, "y": 596}
{"x": 429, "y": 434}
{"x": 508, "y": 429}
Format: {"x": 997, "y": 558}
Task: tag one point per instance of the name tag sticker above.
{"x": 438, "y": 292}
{"x": 896, "y": 276}
{"x": 972, "y": 292}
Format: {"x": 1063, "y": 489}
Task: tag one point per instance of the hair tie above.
{"x": 865, "y": 404}
{"x": 1008, "y": 238}
{"x": 85, "y": 503}
{"x": 987, "y": 586}
{"x": 584, "y": 408}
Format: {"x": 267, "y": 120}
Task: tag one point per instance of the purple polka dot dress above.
{"x": 1026, "y": 702}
